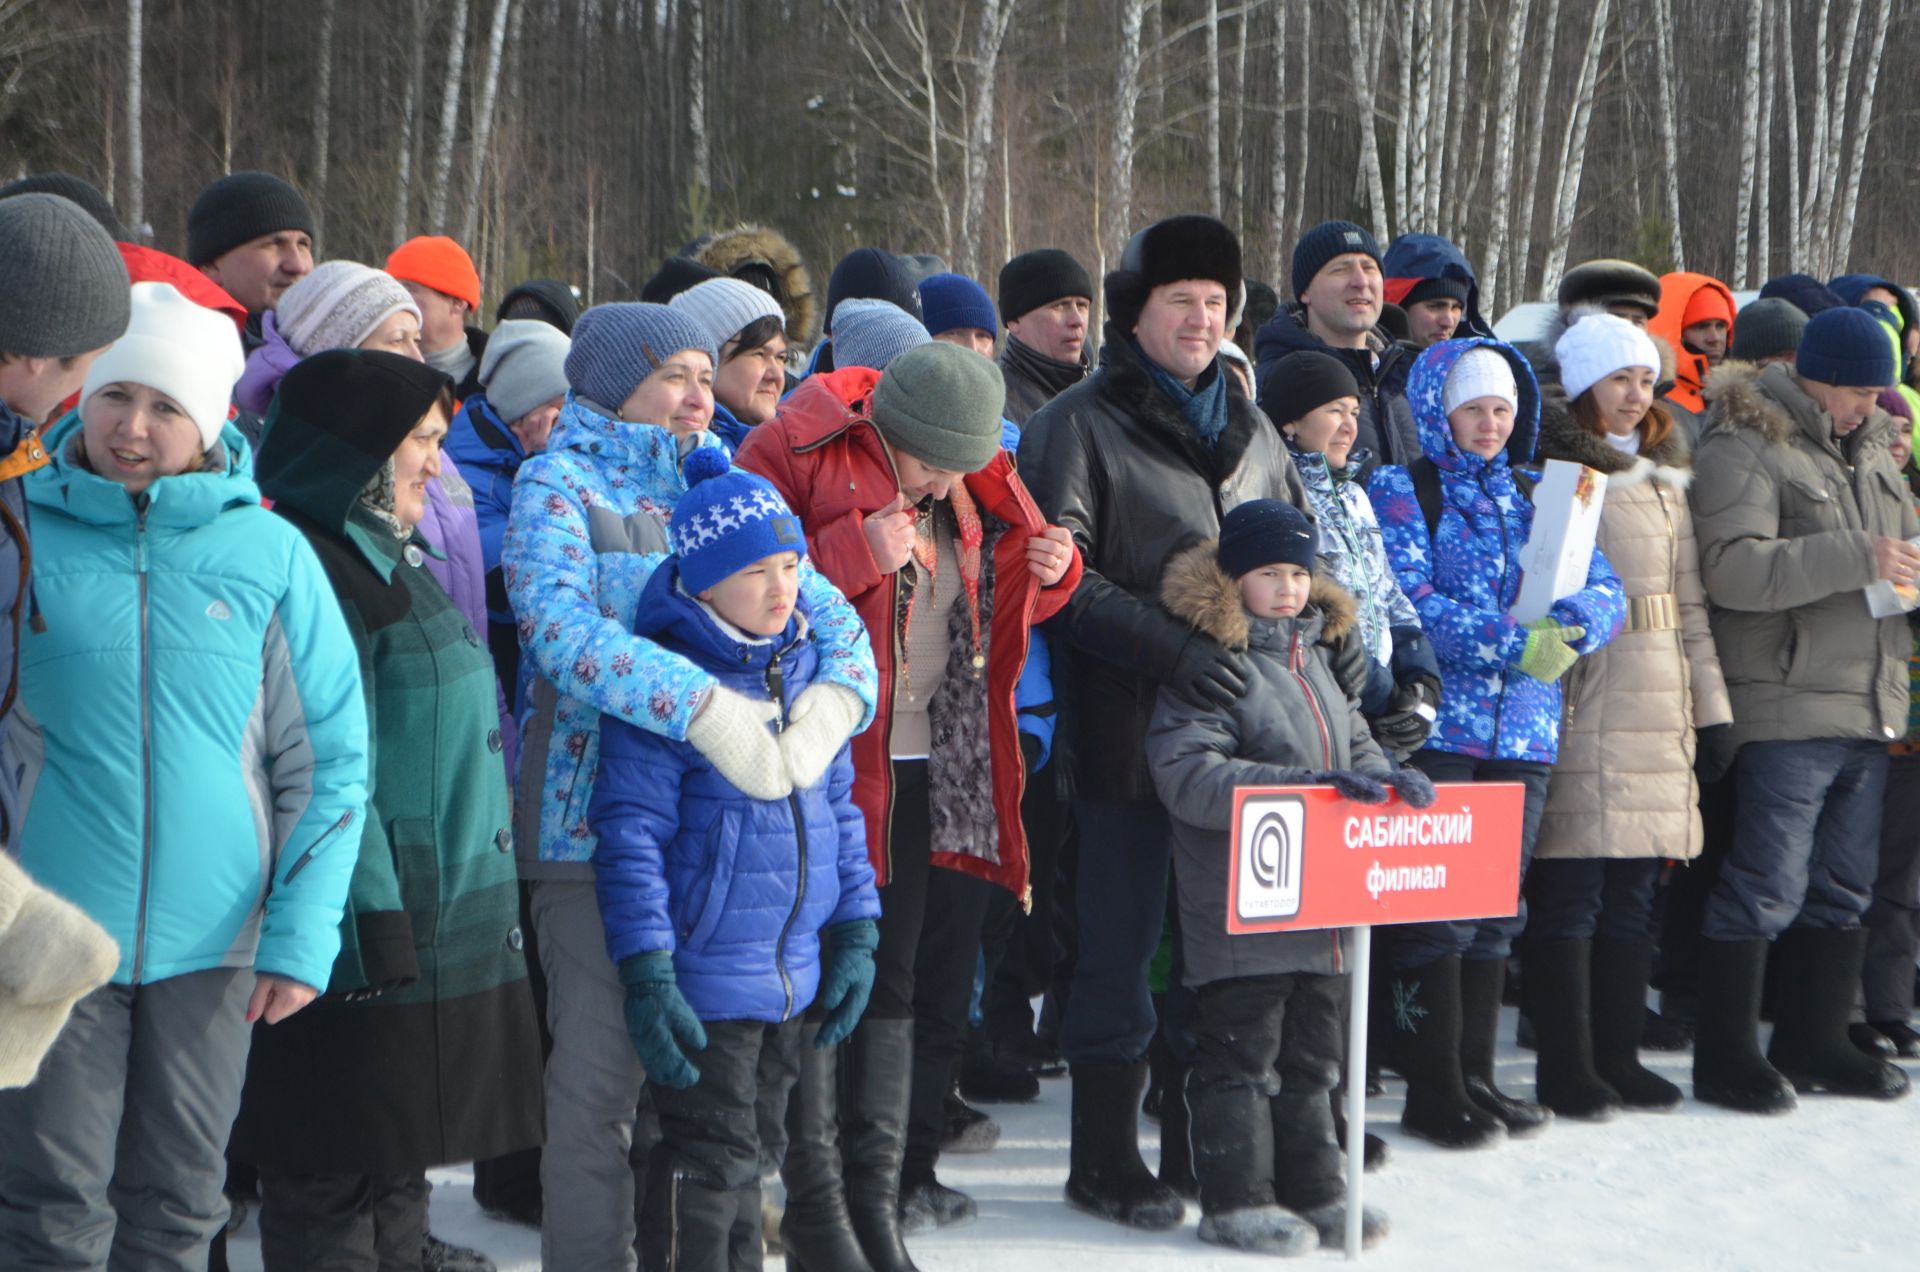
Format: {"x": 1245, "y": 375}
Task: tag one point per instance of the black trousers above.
{"x": 512, "y": 1183}
{"x": 343, "y": 1223}
{"x": 1580, "y": 898}
{"x": 1030, "y": 955}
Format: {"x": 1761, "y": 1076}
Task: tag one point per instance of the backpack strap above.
{"x": 1426, "y": 489}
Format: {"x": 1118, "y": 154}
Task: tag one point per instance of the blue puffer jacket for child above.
{"x": 489, "y": 455}
{"x": 588, "y": 528}
{"x": 191, "y": 731}
{"x": 1463, "y": 579}
{"x": 729, "y": 429}
{"x": 737, "y": 889}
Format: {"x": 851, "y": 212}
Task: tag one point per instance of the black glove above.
{"x": 1413, "y": 786}
{"x": 1208, "y": 674}
{"x": 1357, "y": 787}
{"x": 1714, "y": 753}
{"x": 1403, "y": 727}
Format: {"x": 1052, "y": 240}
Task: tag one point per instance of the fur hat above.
{"x": 763, "y": 256}
{"x": 1168, "y": 251}
{"x": 51, "y": 956}
{"x": 1610, "y": 282}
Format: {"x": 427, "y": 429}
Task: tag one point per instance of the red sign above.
{"x": 1304, "y": 858}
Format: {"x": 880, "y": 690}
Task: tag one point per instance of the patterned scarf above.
{"x": 378, "y": 498}
{"x": 926, "y": 556}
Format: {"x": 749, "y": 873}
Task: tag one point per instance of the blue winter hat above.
{"x": 1266, "y": 532}
{"x": 1324, "y": 242}
{"x": 1851, "y": 287}
{"x": 728, "y": 519}
{"x": 951, "y": 301}
{"x": 617, "y": 346}
{"x": 1845, "y": 346}
{"x": 1807, "y": 293}
{"x": 871, "y": 333}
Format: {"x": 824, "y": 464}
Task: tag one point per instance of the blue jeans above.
{"x": 1806, "y": 838}
{"x": 1417, "y": 944}
{"x": 1121, "y": 896}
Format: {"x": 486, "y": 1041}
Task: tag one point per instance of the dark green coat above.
{"x": 425, "y": 1048}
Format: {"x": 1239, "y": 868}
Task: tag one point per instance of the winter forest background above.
{"x": 584, "y": 139}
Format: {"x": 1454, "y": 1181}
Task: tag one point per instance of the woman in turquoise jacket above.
{"x": 192, "y": 741}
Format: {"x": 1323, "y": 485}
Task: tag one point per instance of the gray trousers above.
{"x": 114, "y": 1157}
{"x": 600, "y": 1127}
{"x": 1893, "y": 920}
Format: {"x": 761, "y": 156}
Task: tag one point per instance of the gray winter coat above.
{"x": 1786, "y": 517}
{"x": 1293, "y": 721}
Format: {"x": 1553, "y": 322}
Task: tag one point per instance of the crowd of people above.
{"x": 655, "y": 750}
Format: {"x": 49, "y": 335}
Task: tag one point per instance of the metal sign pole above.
{"x": 1357, "y": 1084}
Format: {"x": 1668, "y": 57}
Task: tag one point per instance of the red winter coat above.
{"x": 828, "y": 460}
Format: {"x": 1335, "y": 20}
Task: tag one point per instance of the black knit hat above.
{"x": 867, "y": 273}
{"x": 1168, "y": 251}
{"x": 675, "y": 275}
{"x": 1767, "y": 328}
{"x": 546, "y": 299}
{"x": 1266, "y": 532}
{"x": 1040, "y": 277}
{"x": 72, "y": 188}
{"x": 1324, "y": 242}
{"x": 1303, "y": 381}
{"x": 1610, "y": 282}
{"x": 239, "y": 208}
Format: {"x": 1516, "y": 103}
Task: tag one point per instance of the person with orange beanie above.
{"x": 1696, "y": 321}
{"x": 446, "y": 286}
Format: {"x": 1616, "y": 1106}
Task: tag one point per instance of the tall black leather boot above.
{"x": 876, "y": 1079}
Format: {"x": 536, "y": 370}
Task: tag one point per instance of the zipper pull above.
{"x": 776, "y": 687}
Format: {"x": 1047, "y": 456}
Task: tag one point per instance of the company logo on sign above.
{"x": 1267, "y": 873}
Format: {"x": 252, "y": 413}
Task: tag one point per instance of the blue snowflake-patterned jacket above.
{"x": 587, "y": 530}
{"x": 1463, "y": 579}
{"x": 1351, "y": 547}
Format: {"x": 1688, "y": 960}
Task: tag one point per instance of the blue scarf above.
{"x": 1203, "y": 407}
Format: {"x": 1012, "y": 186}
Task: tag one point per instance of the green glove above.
{"x": 659, "y": 1020}
{"x": 1549, "y": 654}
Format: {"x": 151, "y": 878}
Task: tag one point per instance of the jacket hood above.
{"x": 1197, "y": 590}
{"x": 1670, "y": 463}
{"x": 481, "y": 439}
{"x": 184, "y": 500}
{"x": 752, "y": 252}
{"x": 1425, "y": 394}
{"x": 336, "y": 420}
{"x": 150, "y": 265}
{"x": 825, "y": 404}
{"x": 1413, "y": 258}
{"x": 1676, "y": 293}
{"x": 669, "y": 616}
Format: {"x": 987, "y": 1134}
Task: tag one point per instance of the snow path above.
{"x": 1831, "y": 1185}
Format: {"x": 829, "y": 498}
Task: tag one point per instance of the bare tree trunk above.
{"x": 1120, "y": 153}
{"x": 995, "y": 17}
{"x": 1763, "y": 176}
{"x": 1826, "y": 207}
{"x": 1530, "y": 173}
{"x": 1862, "y": 127}
{"x": 1489, "y": 279}
{"x": 1573, "y": 151}
{"x": 1749, "y": 132}
{"x": 930, "y": 91}
{"x": 449, "y": 120}
{"x": 409, "y": 122}
{"x": 1305, "y": 135}
{"x": 322, "y": 112}
{"x": 1369, "y": 141}
{"x": 1237, "y": 180}
{"x": 1441, "y": 151}
{"x": 136, "y": 147}
{"x": 1817, "y": 146}
{"x": 696, "y": 20}
{"x": 483, "y": 118}
{"x": 1277, "y": 171}
{"x": 1420, "y": 152}
{"x": 1212, "y": 116}
{"x": 1797, "y": 247}
{"x": 1664, "y": 112}
{"x": 1403, "y": 112}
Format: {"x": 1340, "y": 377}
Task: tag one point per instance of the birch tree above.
{"x": 1828, "y": 190}
{"x": 322, "y": 111}
{"x": 1503, "y": 153}
{"x": 1419, "y": 156}
{"x": 1369, "y": 140}
{"x": 1277, "y": 156}
{"x": 1530, "y": 171}
{"x": 1812, "y": 239}
{"x": 1120, "y": 148}
{"x": 1573, "y": 151}
{"x": 1797, "y": 233}
{"x": 136, "y": 146}
{"x": 1763, "y": 178}
{"x": 449, "y": 120}
{"x": 1842, "y": 246}
{"x": 483, "y": 120}
{"x": 1212, "y": 118}
{"x": 409, "y": 127}
{"x": 696, "y": 19}
{"x": 1664, "y": 112}
{"x": 989, "y": 37}
{"x": 1751, "y": 144}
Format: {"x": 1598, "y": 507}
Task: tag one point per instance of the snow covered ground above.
{"x": 1832, "y": 1185}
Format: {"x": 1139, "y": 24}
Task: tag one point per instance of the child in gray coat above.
{"x": 1269, "y": 1033}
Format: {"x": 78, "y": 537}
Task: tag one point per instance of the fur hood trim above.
{"x": 731, "y": 249}
{"x": 1670, "y": 463}
{"x": 1740, "y": 402}
{"x": 1198, "y": 591}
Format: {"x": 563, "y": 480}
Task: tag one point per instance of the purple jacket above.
{"x": 266, "y": 367}
{"x": 453, "y": 528}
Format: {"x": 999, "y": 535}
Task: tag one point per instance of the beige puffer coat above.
{"x": 1787, "y": 516}
{"x": 1624, "y": 784}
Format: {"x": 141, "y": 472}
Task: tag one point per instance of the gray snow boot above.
{"x": 1260, "y": 1230}
{"x": 1330, "y": 1221}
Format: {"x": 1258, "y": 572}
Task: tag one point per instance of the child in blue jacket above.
{"x": 727, "y": 916}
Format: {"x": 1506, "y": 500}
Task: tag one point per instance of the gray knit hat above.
{"x": 942, "y": 405}
{"x": 525, "y": 365}
{"x": 725, "y": 307}
{"x": 1765, "y": 328}
{"x": 66, "y": 288}
{"x": 872, "y": 333}
{"x": 617, "y": 346}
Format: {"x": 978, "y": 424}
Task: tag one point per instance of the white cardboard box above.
{"x": 1885, "y": 600}
{"x": 1566, "y": 520}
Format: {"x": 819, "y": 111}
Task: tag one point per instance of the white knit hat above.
{"x": 1597, "y": 346}
{"x": 1480, "y": 372}
{"x": 337, "y": 306}
{"x": 725, "y": 307}
{"x": 188, "y": 352}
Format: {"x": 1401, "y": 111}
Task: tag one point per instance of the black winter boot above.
{"x": 876, "y": 1078}
{"x": 1728, "y": 1068}
{"x": 1375, "y": 1149}
{"x": 1819, "y": 972}
{"x": 1619, "y": 987}
{"x": 1233, "y": 1129}
{"x": 1481, "y": 984}
{"x": 1558, "y": 988}
{"x": 1424, "y": 1048}
{"x": 995, "y": 1075}
{"x": 815, "y": 1230}
{"x": 1176, "y": 1143}
{"x": 1106, "y": 1176}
